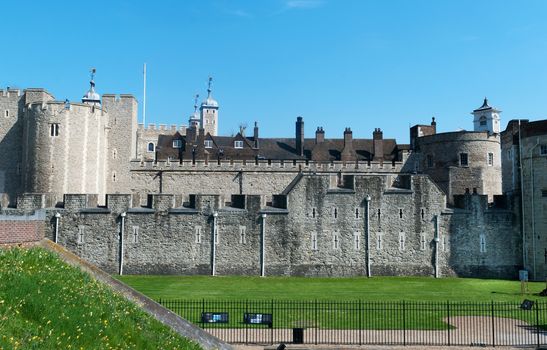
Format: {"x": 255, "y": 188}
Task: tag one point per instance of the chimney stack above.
{"x": 378, "y": 144}
{"x": 255, "y": 135}
{"x": 300, "y": 136}
{"x": 319, "y": 135}
{"x": 347, "y": 153}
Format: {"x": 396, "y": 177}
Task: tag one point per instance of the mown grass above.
{"x": 47, "y": 304}
{"x": 342, "y": 303}
{"x": 301, "y": 288}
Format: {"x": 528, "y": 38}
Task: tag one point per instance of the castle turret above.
{"x": 194, "y": 120}
{"x": 486, "y": 118}
{"x": 209, "y": 112}
{"x": 91, "y": 97}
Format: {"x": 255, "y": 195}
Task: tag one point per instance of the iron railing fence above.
{"x": 362, "y": 322}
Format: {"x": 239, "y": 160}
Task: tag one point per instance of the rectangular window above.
{"x": 208, "y": 143}
{"x": 444, "y": 246}
{"x": 379, "y": 214}
{"x": 314, "y": 241}
{"x": 422, "y": 213}
{"x": 242, "y": 235}
{"x": 54, "y": 129}
{"x": 429, "y": 161}
{"x": 490, "y": 159}
{"x": 7, "y": 113}
{"x": 401, "y": 241}
{"x": 81, "y": 231}
{"x": 464, "y": 159}
{"x": 356, "y": 240}
{"x": 423, "y": 242}
{"x": 177, "y": 143}
{"x": 544, "y": 193}
{"x": 238, "y": 144}
{"x": 335, "y": 212}
{"x": 313, "y": 212}
{"x": 543, "y": 150}
{"x": 482, "y": 243}
{"x": 357, "y": 213}
{"x": 400, "y": 213}
{"x": 198, "y": 234}
{"x": 379, "y": 241}
{"x": 135, "y": 231}
{"x": 335, "y": 240}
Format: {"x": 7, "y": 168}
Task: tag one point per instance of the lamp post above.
{"x": 213, "y": 244}
{"x": 57, "y": 217}
{"x": 367, "y": 234}
{"x": 122, "y": 229}
{"x": 263, "y": 247}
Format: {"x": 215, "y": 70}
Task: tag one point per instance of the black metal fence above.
{"x": 364, "y": 322}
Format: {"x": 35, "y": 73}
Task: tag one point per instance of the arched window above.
{"x": 151, "y": 147}
{"x": 482, "y": 120}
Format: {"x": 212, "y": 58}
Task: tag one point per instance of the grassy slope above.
{"x": 46, "y": 304}
{"x": 298, "y": 288}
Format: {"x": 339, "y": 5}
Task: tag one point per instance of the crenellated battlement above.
{"x": 121, "y": 202}
{"x": 113, "y": 98}
{"x": 10, "y": 93}
{"x": 63, "y": 106}
{"x": 265, "y": 165}
{"x": 162, "y": 127}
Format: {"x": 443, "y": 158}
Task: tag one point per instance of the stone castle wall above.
{"x": 316, "y": 228}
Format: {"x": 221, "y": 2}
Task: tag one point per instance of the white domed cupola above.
{"x": 486, "y": 118}
{"x": 91, "y": 97}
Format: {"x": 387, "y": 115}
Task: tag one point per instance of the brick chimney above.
{"x": 378, "y": 144}
{"x": 319, "y": 135}
{"x": 255, "y": 134}
{"x": 347, "y": 153}
{"x": 300, "y": 136}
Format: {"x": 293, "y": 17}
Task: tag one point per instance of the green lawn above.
{"x": 301, "y": 288}
{"x": 47, "y": 304}
{"x": 343, "y": 303}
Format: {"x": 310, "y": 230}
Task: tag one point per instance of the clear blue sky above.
{"x": 362, "y": 64}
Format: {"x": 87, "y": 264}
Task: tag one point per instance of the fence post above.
{"x": 448, "y": 320}
{"x": 493, "y": 330}
{"x": 272, "y": 326}
{"x": 316, "y": 322}
{"x": 360, "y": 322}
{"x": 537, "y": 323}
{"x": 404, "y": 324}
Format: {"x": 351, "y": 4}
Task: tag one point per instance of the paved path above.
{"x": 478, "y": 331}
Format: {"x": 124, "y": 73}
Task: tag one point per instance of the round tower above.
{"x": 209, "y": 112}
{"x": 64, "y": 148}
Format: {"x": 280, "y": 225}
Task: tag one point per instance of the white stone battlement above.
{"x": 162, "y": 127}
{"x": 10, "y": 93}
{"x": 265, "y": 165}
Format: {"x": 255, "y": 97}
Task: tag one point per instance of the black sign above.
{"x": 258, "y": 319}
{"x": 214, "y": 317}
{"x": 527, "y": 304}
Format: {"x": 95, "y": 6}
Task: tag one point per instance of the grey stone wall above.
{"x": 121, "y": 140}
{"x": 317, "y": 228}
{"x": 11, "y": 133}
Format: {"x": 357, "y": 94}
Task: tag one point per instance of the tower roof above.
{"x": 195, "y": 116}
{"x": 485, "y": 107}
{"x": 91, "y": 96}
{"x": 210, "y": 101}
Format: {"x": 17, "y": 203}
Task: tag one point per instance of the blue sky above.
{"x": 338, "y": 63}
